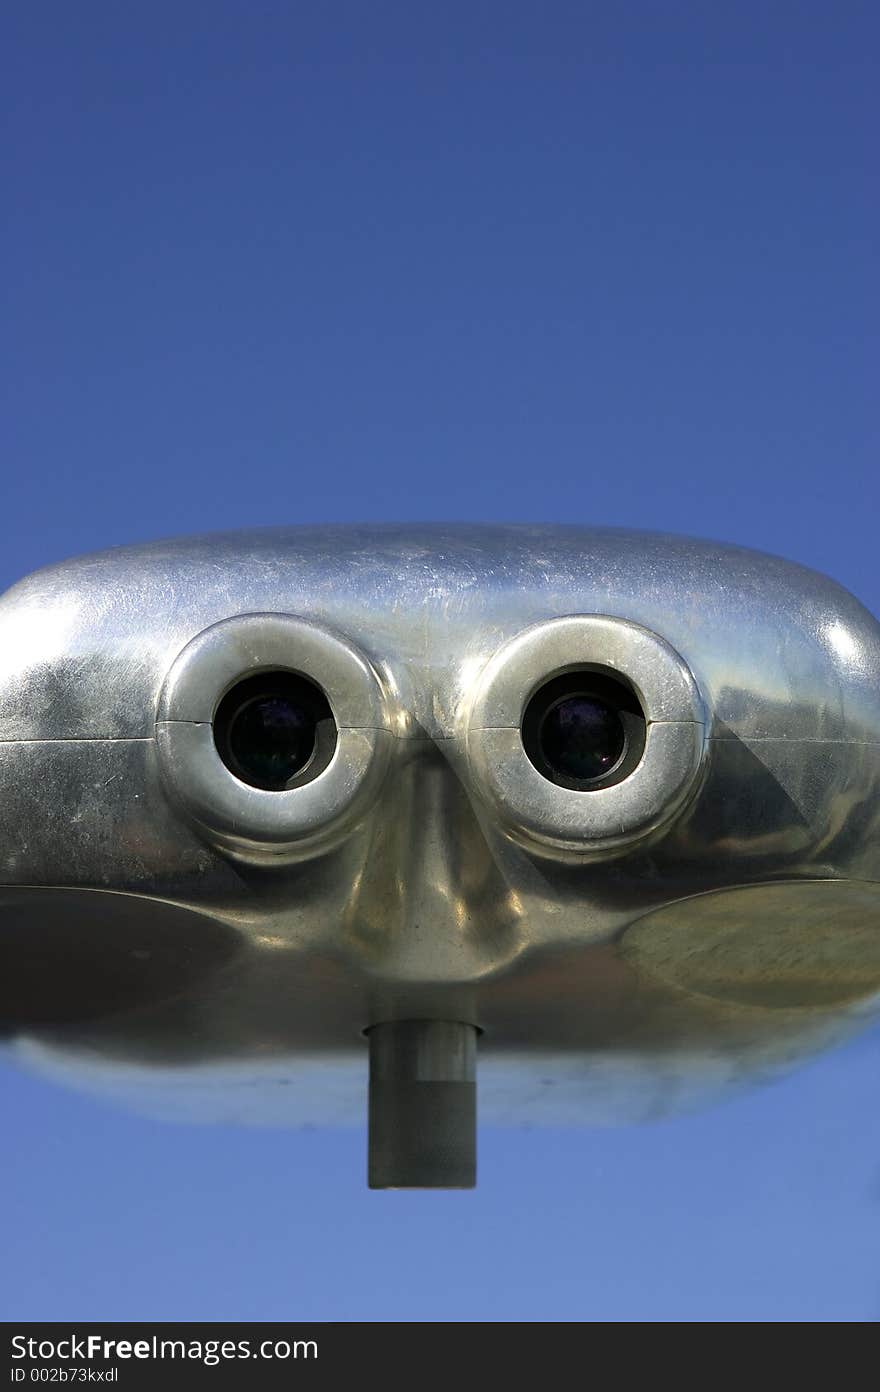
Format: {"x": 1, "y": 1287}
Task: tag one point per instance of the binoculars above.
{"x": 292, "y": 817}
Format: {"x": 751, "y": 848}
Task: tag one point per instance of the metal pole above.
{"x": 423, "y": 1105}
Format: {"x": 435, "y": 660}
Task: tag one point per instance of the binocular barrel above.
{"x": 284, "y": 806}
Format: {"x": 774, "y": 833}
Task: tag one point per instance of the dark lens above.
{"x": 582, "y": 738}
{"x": 584, "y": 729}
{"x": 271, "y": 728}
{"x": 272, "y": 740}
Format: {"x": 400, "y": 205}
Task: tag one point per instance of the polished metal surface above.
{"x": 209, "y": 949}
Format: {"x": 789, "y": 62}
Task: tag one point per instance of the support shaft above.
{"x": 423, "y": 1105}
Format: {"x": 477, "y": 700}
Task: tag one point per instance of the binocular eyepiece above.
{"x": 579, "y": 735}
{"x": 582, "y": 730}
{"x": 275, "y": 731}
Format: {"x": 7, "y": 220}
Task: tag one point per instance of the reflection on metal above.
{"x": 777, "y": 945}
{"x": 209, "y": 948}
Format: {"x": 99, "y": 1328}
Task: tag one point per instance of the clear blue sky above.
{"x": 294, "y": 262}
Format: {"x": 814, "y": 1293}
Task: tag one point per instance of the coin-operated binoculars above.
{"x": 597, "y": 806}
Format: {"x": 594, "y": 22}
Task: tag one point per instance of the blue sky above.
{"x": 286, "y": 262}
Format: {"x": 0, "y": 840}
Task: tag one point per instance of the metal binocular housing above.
{"x": 282, "y": 809}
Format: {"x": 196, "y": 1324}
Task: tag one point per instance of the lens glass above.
{"x": 274, "y": 730}
{"x": 582, "y": 738}
{"x": 272, "y": 739}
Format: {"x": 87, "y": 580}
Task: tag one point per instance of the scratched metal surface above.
{"x": 145, "y": 956}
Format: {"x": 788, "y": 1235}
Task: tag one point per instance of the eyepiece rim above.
{"x": 599, "y": 820}
{"x": 252, "y": 823}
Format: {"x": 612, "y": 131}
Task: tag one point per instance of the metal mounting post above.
{"x": 423, "y": 1105}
